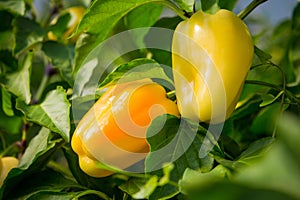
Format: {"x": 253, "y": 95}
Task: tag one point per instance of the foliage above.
{"x": 46, "y": 86}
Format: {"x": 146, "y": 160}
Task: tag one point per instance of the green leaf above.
{"x": 186, "y": 5}
{"x": 37, "y": 146}
{"x": 27, "y": 33}
{"x": 99, "y": 20}
{"x": 61, "y": 58}
{"x": 288, "y": 132}
{"x": 265, "y": 121}
{"x": 24, "y": 174}
{"x": 42, "y": 184}
{"x": 61, "y": 25}
{"x": 255, "y": 150}
{"x": 209, "y": 6}
{"x": 19, "y": 82}
{"x": 269, "y": 99}
{"x": 265, "y": 73}
{"x": 142, "y": 16}
{"x": 10, "y": 126}
{"x": 106, "y": 184}
{"x": 179, "y": 142}
{"x": 192, "y": 178}
{"x": 140, "y": 188}
{"x": 163, "y": 55}
{"x": 53, "y": 112}
{"x": 50, "y": 195}
{"x": 6, "y": 42}
{"x": 6, "y": 103}
{"x": 226, "y": 190}
{"x": 16, "y": 6}
{"x": 227, "y": 4}
{"x": 263, "y": 56}
{"x": 167, "y": 169}
{"x": 174, "y": 141}
{"x": 273, "y": 171}
{"x": 135, "y": 70}
{"x": 8, "y": 61}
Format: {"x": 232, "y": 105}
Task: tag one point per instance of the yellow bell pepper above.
{"x": 113, "y": 131}
{"x": 211, "y": 56}
{"x": 6, "y": 164}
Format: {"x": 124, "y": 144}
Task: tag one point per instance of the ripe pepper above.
{"x": 211, "y": 55}
{"x": 113, "y": 131}
{"x": 6, "y": 164}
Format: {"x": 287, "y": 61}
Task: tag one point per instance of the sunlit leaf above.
{"x": 37, "y": 146}
{"x": 269, "y": 99}
{"x": 136, "y": 70}
{"x": 99, "y": 20}
{"x": 53, "y": 112}
{"x": 140, "y": 188}
{"x": 17, "y": 6}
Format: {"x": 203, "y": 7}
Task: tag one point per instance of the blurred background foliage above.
{"x": 257, "y": 156}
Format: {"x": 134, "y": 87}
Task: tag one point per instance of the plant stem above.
{"x": 48, "y": 72}
{"x": 41, "y": 88}
{"x": 244, "y": 13}
{"x": 174, "y": 8}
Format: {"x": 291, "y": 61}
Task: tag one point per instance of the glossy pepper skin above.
{"x": 6, "y": 164}
{"x": 113, "y": 131}
{"x": 211, "y": 56}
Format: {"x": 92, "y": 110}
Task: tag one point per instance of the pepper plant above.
{"x": 148, "y": 99}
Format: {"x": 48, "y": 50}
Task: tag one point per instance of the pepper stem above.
{"x": 244, "y": 13}
{"x": 174, "y": 8}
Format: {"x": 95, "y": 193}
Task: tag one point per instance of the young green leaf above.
{"x": 135, "y": 70}
{"x": 53, "y": 112}
{"x": 269, "y": 99}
